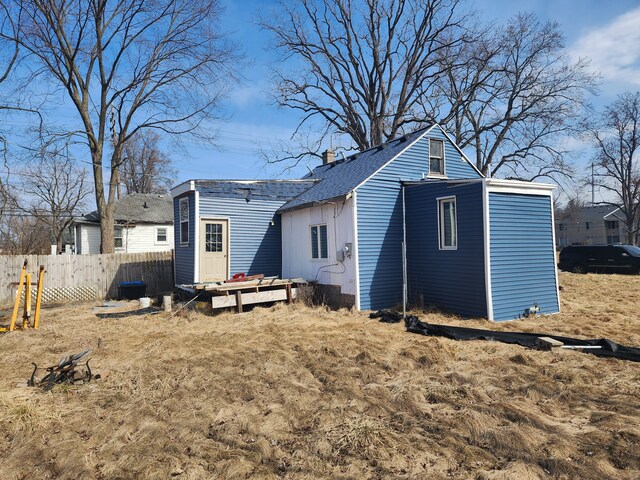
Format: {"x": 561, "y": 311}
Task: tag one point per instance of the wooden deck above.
{"x": 240, "y": 293}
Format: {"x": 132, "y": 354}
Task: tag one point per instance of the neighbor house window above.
{"x": 588, "y": 225}
{"x": 319, "y": 246}
{"x": 611, "y": 224}
{"x": 117, "y": 237}
{"x": 561, "y": 227}
{"x": 436, "y": 157}
{"x": 613, "y": 239}
{"x": 448, "y": 223}
{"x": 184, "y": 221}
{"x": 161, "y": 235}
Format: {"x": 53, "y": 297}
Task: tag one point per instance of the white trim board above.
{"x": 196, "y": 243}
{"x": 184, "y": 187}
{"x": 486, "y": 226}
{"x": 555, "y": 263}
{"x": 356, "y": 249}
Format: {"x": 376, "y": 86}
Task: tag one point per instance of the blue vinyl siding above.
{"x": 184, "y": 254}
{"x": 380, "y": 219}
{"x": 255, "y": 243}
{"x": 523, "y": 270}
{"x": 451, "y": 279}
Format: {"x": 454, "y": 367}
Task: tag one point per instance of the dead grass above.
{"x": 303, "y": 393}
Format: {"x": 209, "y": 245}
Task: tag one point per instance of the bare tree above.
{"x": 54, "y": 190}
{"x": 512, "y": 97}
{"x": 617, "y": 139}
{"x": 21, "y": 234}
{"x": 362, "y": 67}
{"x": 374, "y": 69}
{"x": 145, "y": 168}
{"x": 127, "y": 65}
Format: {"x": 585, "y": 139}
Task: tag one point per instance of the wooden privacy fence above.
{"x": 87, "y": 277}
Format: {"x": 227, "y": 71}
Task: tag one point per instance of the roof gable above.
{"x": 343, "y": 176}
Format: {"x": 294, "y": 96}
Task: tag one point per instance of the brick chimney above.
{"x": 328, "y": 156}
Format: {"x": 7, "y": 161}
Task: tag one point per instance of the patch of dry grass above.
{"x": 301, "y": 393}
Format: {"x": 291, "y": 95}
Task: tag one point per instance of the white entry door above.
{"x": 214, "y": 250}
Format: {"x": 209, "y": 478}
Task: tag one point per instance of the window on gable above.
{"x": 161, "y": 235}
{"x": 436, "y": 157}
{"x": 588, "y": 225}
{"x": 117, "y": 237}
{"x": 448, "y": 223}
{"x": 319, "y": 245}
{"x": 184, "y": 221}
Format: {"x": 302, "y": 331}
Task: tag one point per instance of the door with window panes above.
{"x": 214, "y": 250}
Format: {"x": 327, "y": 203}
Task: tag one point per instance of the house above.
{"x": 143, "y": 223}
{"x": 229, "y": 226}
{"x": 592, "y": 225}
{"x": 475, "y": 246}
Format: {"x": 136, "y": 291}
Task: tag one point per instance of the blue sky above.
{"x": 607, "y": 32}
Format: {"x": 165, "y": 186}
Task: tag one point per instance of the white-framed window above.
{"x": 184, "y": 221}
{"x": 448, "y": 223}
{"x": 436, "y": 157}
{"x": 117, "y": 237}
{"x": 319, "y": 244}
{"x": 161, "y": 235}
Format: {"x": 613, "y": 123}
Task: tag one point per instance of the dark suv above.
{"x": 600, "y": 258}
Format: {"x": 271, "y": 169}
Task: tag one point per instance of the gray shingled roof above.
{"x": 139, "y": 208}
{"x": 341, "y": 177}
{"x": 593, "y": 213}
{"x": 259, "y": 189}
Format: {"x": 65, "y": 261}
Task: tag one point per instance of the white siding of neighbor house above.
{"x": 88, "y": 239}
{"x": 136, "y": 239}
{"x": 296, "y": 245}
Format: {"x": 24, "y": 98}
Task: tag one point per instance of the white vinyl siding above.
{"x": 135, "y": 239}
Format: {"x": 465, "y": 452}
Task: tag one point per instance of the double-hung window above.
{"x": 319, "y": 246}
{"x": 184, "y": 221}
{"x": 161, "y": 235}
{"x": 117, "y": 237}
{"x": 436, "y": 157}
{"x": 448, "y": 223}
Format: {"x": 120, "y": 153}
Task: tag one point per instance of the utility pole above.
{"x": 593, "y": 192}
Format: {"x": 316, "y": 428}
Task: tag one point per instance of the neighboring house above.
{"x": 595, "y": 225}
{"x": 475, "y": 246}
{"x": 143, "y": 223}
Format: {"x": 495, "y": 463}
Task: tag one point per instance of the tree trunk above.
{"x": 107, "y": 215}
{"x": 106, "y": 209}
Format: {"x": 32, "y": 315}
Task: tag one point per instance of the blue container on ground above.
{"x": 132, "y": 290}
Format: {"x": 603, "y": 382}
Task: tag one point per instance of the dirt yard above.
{"x": 302, "y": 393}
